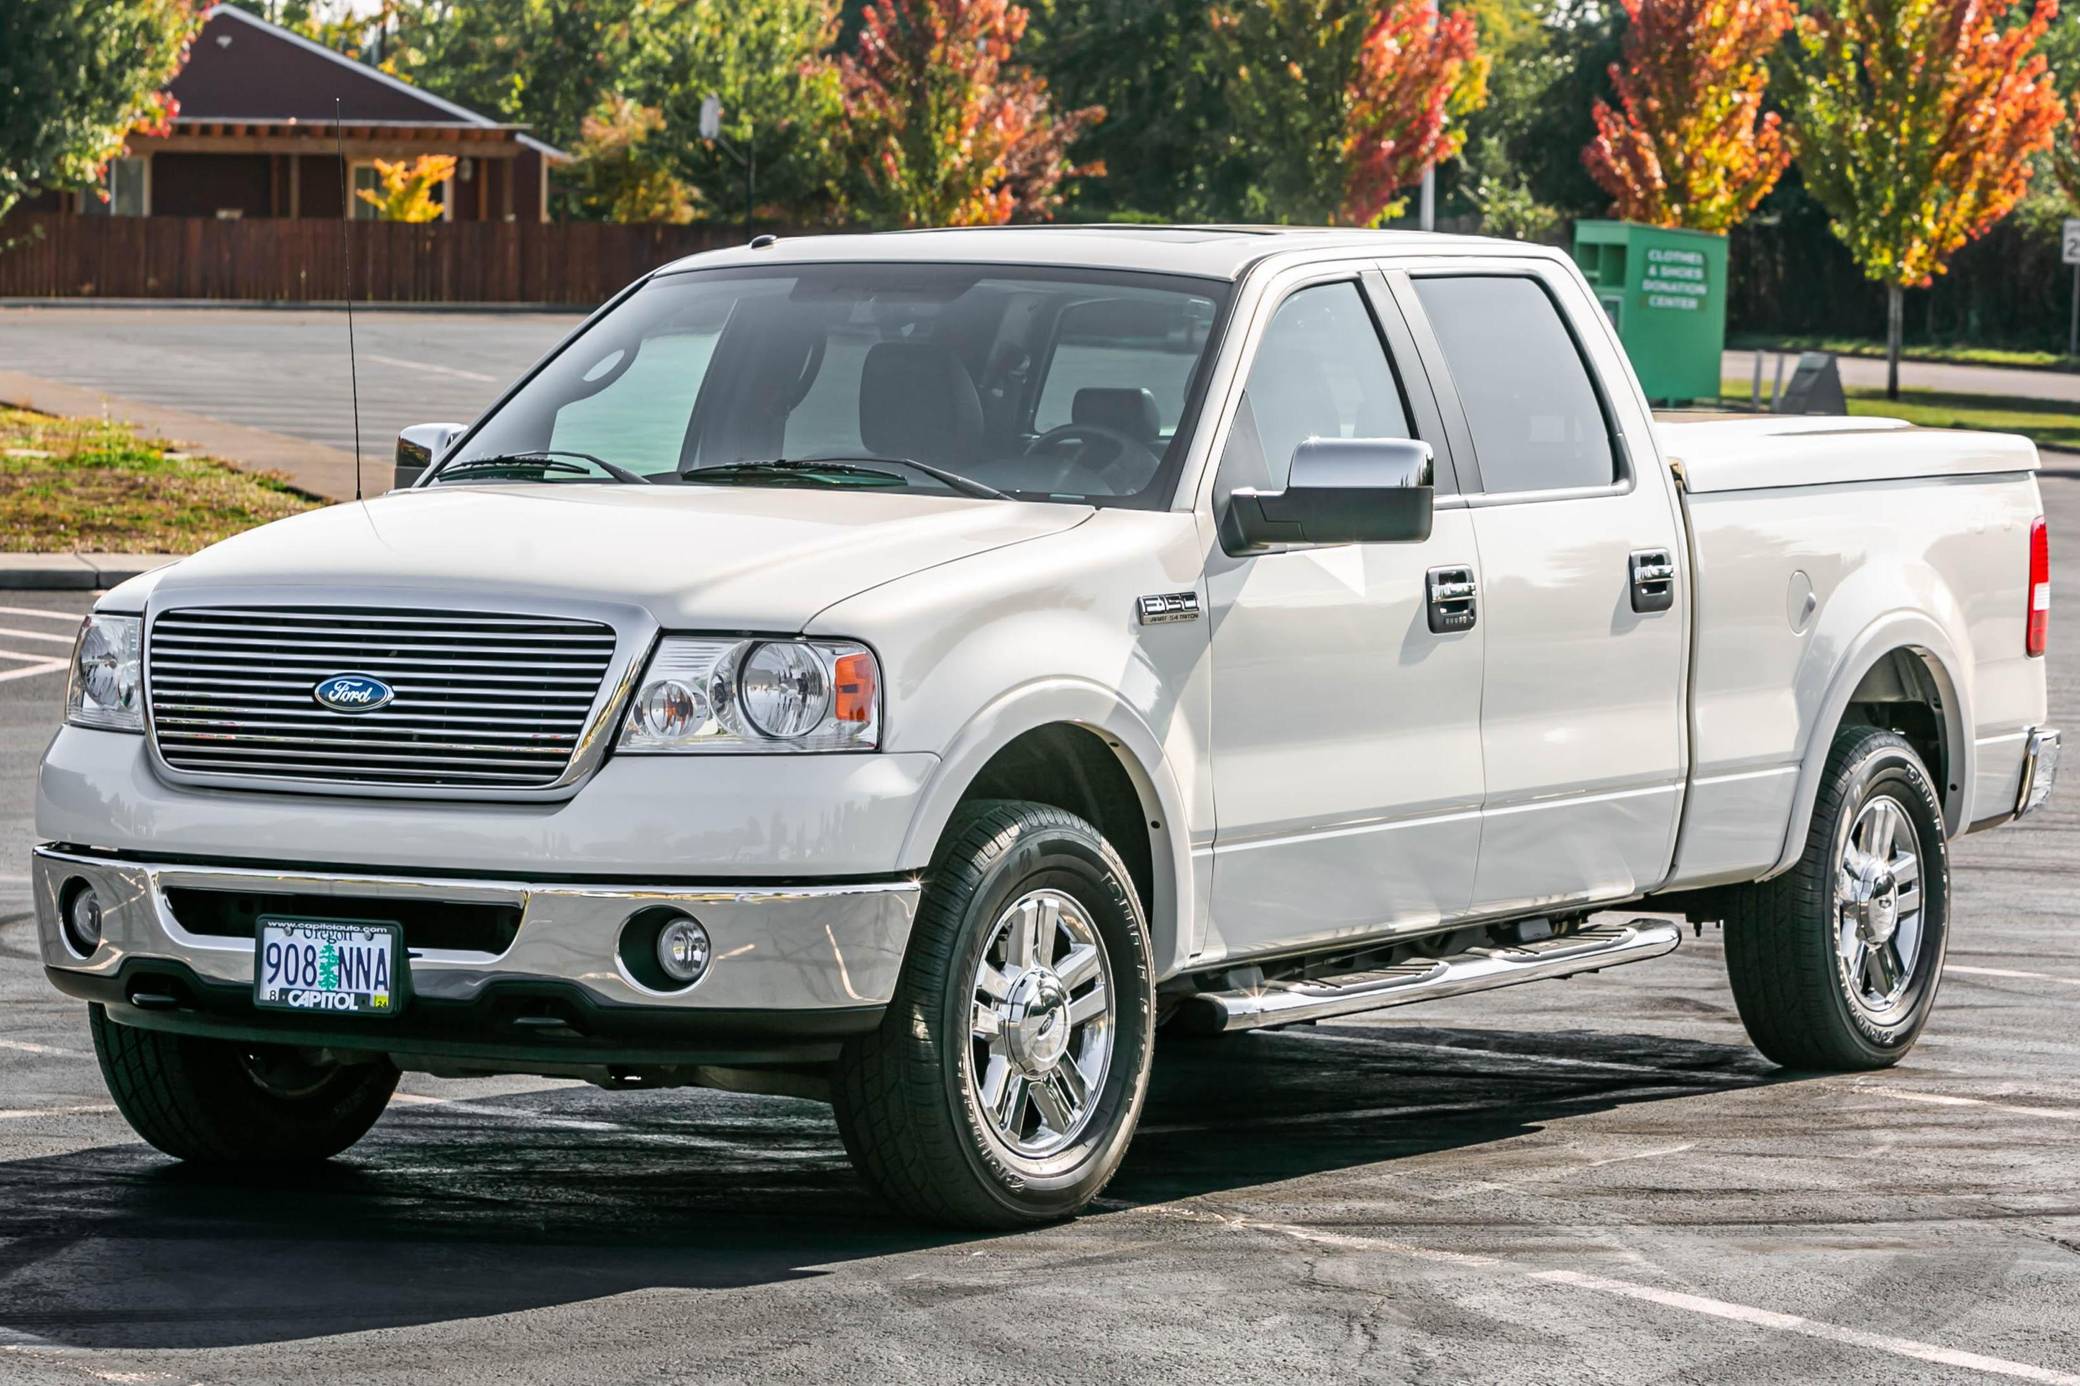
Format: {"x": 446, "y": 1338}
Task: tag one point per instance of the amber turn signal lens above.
{"x": 853, "y": 678}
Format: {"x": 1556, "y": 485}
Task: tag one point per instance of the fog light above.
{"x": 79, "y": 917}
{"x": 682, "y": 950}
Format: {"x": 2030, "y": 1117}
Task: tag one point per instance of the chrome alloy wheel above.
{"x": 1878, "y": 905}
{"x": 1042, "y": 1028}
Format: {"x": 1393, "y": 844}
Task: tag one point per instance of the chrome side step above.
{"x": 1427, "y": 979}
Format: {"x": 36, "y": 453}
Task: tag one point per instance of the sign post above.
{"x": 2069, "y": 251}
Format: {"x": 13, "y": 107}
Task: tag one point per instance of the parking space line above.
{"x": 53, "y": 638}
{"x": 1695, "y": 1304}
{"x": 30, "y": 671}
{"x": 429, "y": 366}
{"x": 2011, "y": 972}
{"x": 70, "y": 618}
{"x": 20, "y": 1113}
{"x": 51, "y": 1049}
{"x": 1937, "y": 1099}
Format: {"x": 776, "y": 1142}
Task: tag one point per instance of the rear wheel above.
{"x": 1004, "y": 1083}
{"x": 221, "y": 1102}
{"x": 1835, "y": 963}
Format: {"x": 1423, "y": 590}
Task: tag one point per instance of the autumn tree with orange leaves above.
{"x": 1919, "y": 123}
{"x": 1690, "y": 145}
{"x": 949, "y": 129}
{"x": 1417, "y": 68}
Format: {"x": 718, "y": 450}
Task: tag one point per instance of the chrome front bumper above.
{"x": 810, "y": 959}
{"x": 2039, "y": 770}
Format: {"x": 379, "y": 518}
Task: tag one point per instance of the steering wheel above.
{"x": 1115, "y": 470}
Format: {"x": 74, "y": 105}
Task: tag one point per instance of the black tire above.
{"x": 1794, "y": 989}
{"x": 906, "y": 1094}
{"x": 206, "y": 1101}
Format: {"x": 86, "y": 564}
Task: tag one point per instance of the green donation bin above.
{"x": 1665, "y": 292}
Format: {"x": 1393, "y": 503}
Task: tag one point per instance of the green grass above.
{"x": 92, "y": 486}
{"x": 1949, "y": 355}
{"x": 2049, "y": 423}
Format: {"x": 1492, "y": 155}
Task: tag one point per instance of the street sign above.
{"x": 2069, "y": 251}
{"x": 2069, "y": 241}
{"x": 711, "y": 120}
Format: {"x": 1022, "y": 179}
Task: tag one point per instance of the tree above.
{"x": 1417, "y": 68}
{"x": 407, "y": 187}
{"x": 949, "y": 130}
{"x": 546, "y": 64}
{"x": 77, "y": 78}
{"x": 1919, "y": 124}
{"x": 1336, "y": 104}
{"x": 616, "y": 170}
{"x": 1692, "y": 146}
{"x": 781, "y": 105}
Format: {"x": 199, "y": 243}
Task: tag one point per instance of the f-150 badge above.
{"x": 1167, "y": 608}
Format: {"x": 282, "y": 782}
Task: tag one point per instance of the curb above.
{"x": 76, "y": 572}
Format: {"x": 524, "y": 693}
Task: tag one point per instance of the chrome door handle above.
{"x": 1653, "y": 580}
{"x": 1453, "y": 599}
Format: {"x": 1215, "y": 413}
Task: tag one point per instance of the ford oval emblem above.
{"x": 352, "y": 693}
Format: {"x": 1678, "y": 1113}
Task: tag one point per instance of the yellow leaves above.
{"x": 405, "y": 187}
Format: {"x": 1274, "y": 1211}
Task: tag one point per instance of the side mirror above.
{"x": 1340, "y": 491}
{"x": 420, "y": 446}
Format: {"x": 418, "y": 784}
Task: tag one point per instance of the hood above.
{"x": 696, "y": 556}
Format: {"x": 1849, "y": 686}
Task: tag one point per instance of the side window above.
{"x": 1536, "y": 422}
{"x": 1320, "y": 372}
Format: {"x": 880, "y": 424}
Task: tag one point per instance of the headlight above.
{"x": 107, "y": 685}
{"x": 755, "y": 695}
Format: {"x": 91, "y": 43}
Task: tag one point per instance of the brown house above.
{"x": 254, "y": 138}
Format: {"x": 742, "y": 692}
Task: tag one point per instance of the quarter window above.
{"x": 1536, "y": 422}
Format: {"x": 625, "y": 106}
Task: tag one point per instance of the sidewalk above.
{"x": 75, "y": 572}
{"x": 1862, "y": 372}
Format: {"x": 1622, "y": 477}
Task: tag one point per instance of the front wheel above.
{"x": 1003, "y": 1085}
{"x": 1834, "y": 964}
{"x": 221, "y": 1102}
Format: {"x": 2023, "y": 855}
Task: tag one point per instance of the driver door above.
{"x": 1346, "y": 746}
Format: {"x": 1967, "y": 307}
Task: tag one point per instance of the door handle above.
{"x": 1653, "y": 580}
{"x": 1453, "y": 599}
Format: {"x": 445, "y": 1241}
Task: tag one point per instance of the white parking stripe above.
{"x": 1689, "y": 1303}
{"x": 18, "y": 1113}
{"x": 27, "y": 1048}
{"x": 2011, "y": 972}
{"x": 36, "y": 635}
{"x": 71, "y": 618}
{"x": 1937, "y": 1099}
{"x": 428, "y": 366}
{"x": 46, "y": 666}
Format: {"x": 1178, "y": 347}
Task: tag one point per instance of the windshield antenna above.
{"x": 346, "y": 256}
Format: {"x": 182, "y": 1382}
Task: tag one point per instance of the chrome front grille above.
{"x": 480, "y": 701}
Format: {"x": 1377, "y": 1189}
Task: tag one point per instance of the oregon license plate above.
{"x": 328, "y": 966}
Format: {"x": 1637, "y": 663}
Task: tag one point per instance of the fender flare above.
{"x": 1090, "y": 705}
{"x": 1919, "y": 635}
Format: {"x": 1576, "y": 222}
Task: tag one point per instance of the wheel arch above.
{"x": 1111, "y": 771}
{"x": 1902, "y": 672}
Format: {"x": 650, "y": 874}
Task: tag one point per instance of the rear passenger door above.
{"x": 1582, "y": 699}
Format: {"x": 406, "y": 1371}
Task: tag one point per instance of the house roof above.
{"x": 242, "y": 69}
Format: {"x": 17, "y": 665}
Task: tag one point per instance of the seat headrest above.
{"x": 916, "y": 401}
{"x": 1130, "y": 410}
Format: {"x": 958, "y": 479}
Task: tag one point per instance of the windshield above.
{"x": 1035, "y": 383}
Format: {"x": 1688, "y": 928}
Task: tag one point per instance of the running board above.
{"x": 1427, "y": 979}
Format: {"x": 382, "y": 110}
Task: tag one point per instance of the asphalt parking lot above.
{"x": 1594, "y": 1180}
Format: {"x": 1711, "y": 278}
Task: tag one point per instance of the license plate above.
{"x": 328, "y": 966}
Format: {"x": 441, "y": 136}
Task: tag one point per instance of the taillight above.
{"x": 2039, "y": 587}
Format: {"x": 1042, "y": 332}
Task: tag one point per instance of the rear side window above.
{"x": 1536, "y": 421}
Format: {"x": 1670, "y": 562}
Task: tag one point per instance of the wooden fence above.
{"x": 303, "y": 260}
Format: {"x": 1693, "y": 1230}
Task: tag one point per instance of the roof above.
{"x": 1216, "y": 252}
{"x": 243, "y": 70}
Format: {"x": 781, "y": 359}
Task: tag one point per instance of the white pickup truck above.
{"x": 911, "y": 669}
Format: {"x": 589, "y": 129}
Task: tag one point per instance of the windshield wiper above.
{"x": 547, "y": 460}
{"x": 843, "y": 466}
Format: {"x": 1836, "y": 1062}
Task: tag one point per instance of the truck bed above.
{"x": 1748, "y": 452}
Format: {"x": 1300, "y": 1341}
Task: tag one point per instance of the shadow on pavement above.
{"x": 456, "y": 1211}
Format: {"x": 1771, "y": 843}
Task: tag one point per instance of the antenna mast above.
{"x": 346, "y": 255}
